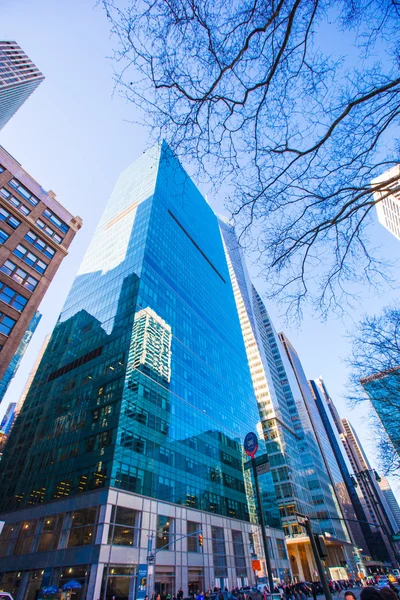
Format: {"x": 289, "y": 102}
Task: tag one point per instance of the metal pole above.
{"x": 318, "y": 561}
{"x": 262, "y": 523}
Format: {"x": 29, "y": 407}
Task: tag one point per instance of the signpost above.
{"x": 251, "y": 447}
{"x": 251, "y": 444}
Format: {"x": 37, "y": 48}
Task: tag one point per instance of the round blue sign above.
{"x": 250, "y": 444}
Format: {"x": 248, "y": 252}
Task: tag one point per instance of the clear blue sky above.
{"x": 74, "y": 136}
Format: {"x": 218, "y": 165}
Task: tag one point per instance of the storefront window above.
{"x": 119, "y": 582}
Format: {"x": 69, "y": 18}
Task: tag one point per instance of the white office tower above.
{"x": 387, "y": 195}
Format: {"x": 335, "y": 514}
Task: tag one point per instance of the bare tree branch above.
{"x": 291, "y": 137}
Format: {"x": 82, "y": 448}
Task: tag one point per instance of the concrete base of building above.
{"x": 103, "y": 539}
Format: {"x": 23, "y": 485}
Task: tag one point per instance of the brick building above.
{"x": 35, "y": 233}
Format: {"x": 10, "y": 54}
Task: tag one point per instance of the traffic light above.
{"x": 200, "y": 539}
{"x": 319, "y": 542}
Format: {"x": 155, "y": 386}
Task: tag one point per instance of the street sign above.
{"x": 263, "y": 468}
{"x": 301, "y": 519}
{"x": 151, "y": 559}
{"x": 256, "y": 565}
{"x": 396, "y": 537}
{"x": 251, "y": 444}
{"x": 262, "y": 464}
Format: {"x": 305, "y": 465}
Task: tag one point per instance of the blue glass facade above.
{"x": 383, "y": 390}
{"x": 16, "y": 360}
{"x": 144, "y": 385}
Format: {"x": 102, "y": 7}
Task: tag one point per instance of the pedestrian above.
{"x": 388, "y": 594}
{"x": 349, "y": 595}
{"x": 200, "y": 595}
{"x": 314, "y": 590}
{"x": 370, "y": 593}
{"x": 302, "y": 594}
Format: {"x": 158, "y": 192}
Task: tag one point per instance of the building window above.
{"x": 219, "y": 553}
{"x": 25, "y": 537}
{"x": 2, "y": 169}
{"x": 56, "y": 220}
{"x": 165, "y": 533}
{"x": 8, "y": 218}
{"x": 238, "y": 551}
{"x": 14, "y": 183}
{"x": 83, "y": 530}
{"x": 15, "y": 202}
{"x": 40, "y": 244}
{"x": 124, "y": 527}
{"x": 19, "y": 275}
{"x": 117, "y": 582}
{"x": 49, "y": 231}
{"x": 50, "y": 533}
{"x": 6, "y": 324}
{"x": 12, "y": 298}
{"x": 281, "y": 545}
{"x": 31, "y": 259}
{"x": 3, "y": 236}
{"x": 193, "y": 540}
{"x": 5, "y": 539}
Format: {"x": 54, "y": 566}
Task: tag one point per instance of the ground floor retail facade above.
{"x": 341, "y": 562}
{"x": 102, "y": 540}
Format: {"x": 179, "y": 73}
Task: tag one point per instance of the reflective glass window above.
{"x": 56, "y": 220}
{"x": 3, "y": 236}
{"x": 19, "y": 275}
{"x": 12, "y": 298}
{"x": 8, "y": 218}
{"x": 6, "y": 324}
{"x": 165, "y": 532}
{"x": 14, "y": 183}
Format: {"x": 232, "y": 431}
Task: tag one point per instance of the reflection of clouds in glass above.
{"x": 151, "y": 343}
{"x": 110, "y": 243}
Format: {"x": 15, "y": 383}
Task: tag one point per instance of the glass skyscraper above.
{"x": 19, "y": 77}
{"x": 136, "y": 416}
{"x": 383, "y": 390}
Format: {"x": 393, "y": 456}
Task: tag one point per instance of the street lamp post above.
{"x": 251, "y": 447}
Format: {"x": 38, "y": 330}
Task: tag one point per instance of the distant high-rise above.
{"x": 7, "y": 420}
{"x": 391, "y": 500}
{"x": 378, "y": 532}
{"x": 35, "y": 233}
{"x": 383, "y": 390}
{"x": 340, "y": 480}
{"x": 19, "y": 77}
{"x": 388, "y": 199}
{"x": 16, "y": 359}
{"x": 31, "y": 375}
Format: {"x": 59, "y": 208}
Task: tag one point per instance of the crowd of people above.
{"x": 293, "y": 591}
